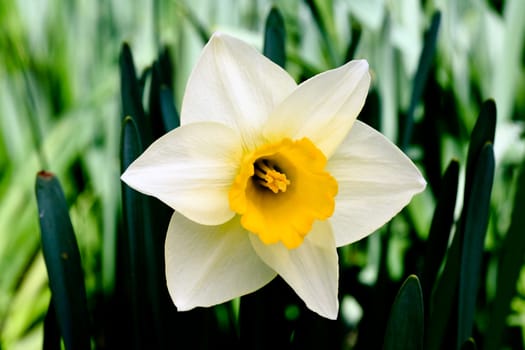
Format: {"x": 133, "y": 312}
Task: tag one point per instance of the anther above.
{"x": 270, "y": 176}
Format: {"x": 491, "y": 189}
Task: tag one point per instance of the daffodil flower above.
{"x": 268, "y": 178}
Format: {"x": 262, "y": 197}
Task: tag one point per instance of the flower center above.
{"x": 269, "y": 175}
{"x": 281, "y": 189}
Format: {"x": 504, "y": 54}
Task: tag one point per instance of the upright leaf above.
{"x": 51, "y": 331}
{"x": 440, "y": 229}
{"x": 420, "y": 79}
{"x": 510, "y": 263}
{"x": 406, "y": 323}
{"x": 442, "y": 327}
{"x": 354, "y": 42}
{"x": 444, "y": 300}
{"x": 484, "y": 131}
{"x": 62, "y": 259}
{"x": 469, "y": 345}
{"x": 169, "y": 112}
{"x": 134, "y": 219}
{"x": 161, "y": 79}
{"x": 475, "y": 226}
{"x": 262, "y": 323}
{"x": 322, "y": 11}
{"x": 131, "y": 94}
{"x": 275, "y": 37}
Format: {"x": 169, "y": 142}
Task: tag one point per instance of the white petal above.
{"x": 322, "y": 108}
{"x": 234, "y": 84}
{"x": 376, "y": 180}
{"x": 191, "y": 169}
{"x": 311, "y": 269}
{"x": 208, "y": 265}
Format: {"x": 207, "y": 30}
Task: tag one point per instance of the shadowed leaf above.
{"x": 51, "y": 331}
{"x": 406, "y": 323}
{"x": 510, "y": 263}
{"x": 66, "y": 279}
{"x": 322, "y": 14}
{"x": 476, "y": 221}
{"x": 483, "y": 132}
{"x": 469, "y": 345}
{"x": 134, "y": 220}
{"x": 440, "y": 229}
{"x": 420, "y": 79}
{"x": 131, "y": 94}
{"x": 169, "y": 112}
{"x": 275, "y": 37}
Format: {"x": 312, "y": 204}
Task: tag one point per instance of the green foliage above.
{"x": 433, "y": 64}
{"x": 64, "y": 268}
{"x": 406, "y": 323}
{"x": 274, "y": 38}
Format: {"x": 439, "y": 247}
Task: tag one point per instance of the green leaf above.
{"x": 476, "y": 221}
{"x": 483, "y": 132}
{"x": 62, "y": 258}
{"x": 199, "y": 27}
{"x": 420, "y": 79}
{"x": 161, "y": 79}
{"x": 275, "y": 37}
{"x": 322, "y": 11}
{"x": 145, "y": 229}
{"x": 469, "y": 345}
{"x": 444, "y": 299}
{"x": 169, "y": 112}
{"x": 131, "y": 94}
{"x": 509, "y": 267}
{"x": 440, "y": 229}
{"x": 442, "y": 327}
{"x": 262, "y": 323}
{"x": 51, "y": 331}
{"x": 136, "y": 222}
{"x": 406, "y": 323}
{"x": 354, "y": 42}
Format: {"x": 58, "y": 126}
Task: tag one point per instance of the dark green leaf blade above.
{"x": 169, "y": 112}
{"x": 484, "y": 131}
{"x": 406, "y": 323}
{"x": 161, "y": 78}
{"x": 51, "y": 331}
{"x": 131, "y": 94}
{"x": 475, "y": 226}
{"x": 420, "y": 79}
{"x": 444, "y": 299}
{"x": 354, "y": 42}
{"x": 442, "y": 327}
{"x": 510, "y": 263}
{"x": 469, "y": 345}
{"x": 275, "y": 37}
{"x": 62, "y": 258}
{"x": 440, "y": 229}
{"x": 262, "y": 322}
{"x": 134, "y": 222}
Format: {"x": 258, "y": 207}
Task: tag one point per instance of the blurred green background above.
{"x": 60, "y": 110}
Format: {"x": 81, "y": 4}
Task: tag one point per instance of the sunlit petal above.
{"x": 191, "y": 169}
{"x": 311, "y": 269}
{"x": 322, "y": 108}
{"x": 376, "y": 180}
{"x": 208, "y": 265}
{"x": 234, "y": 84}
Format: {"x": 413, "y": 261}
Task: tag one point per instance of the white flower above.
{"x": 268, "y": 177}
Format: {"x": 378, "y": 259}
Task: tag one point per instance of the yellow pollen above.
{"x": 268, "y": 175}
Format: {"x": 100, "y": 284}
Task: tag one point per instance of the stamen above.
{"x": 270, "y": 176}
